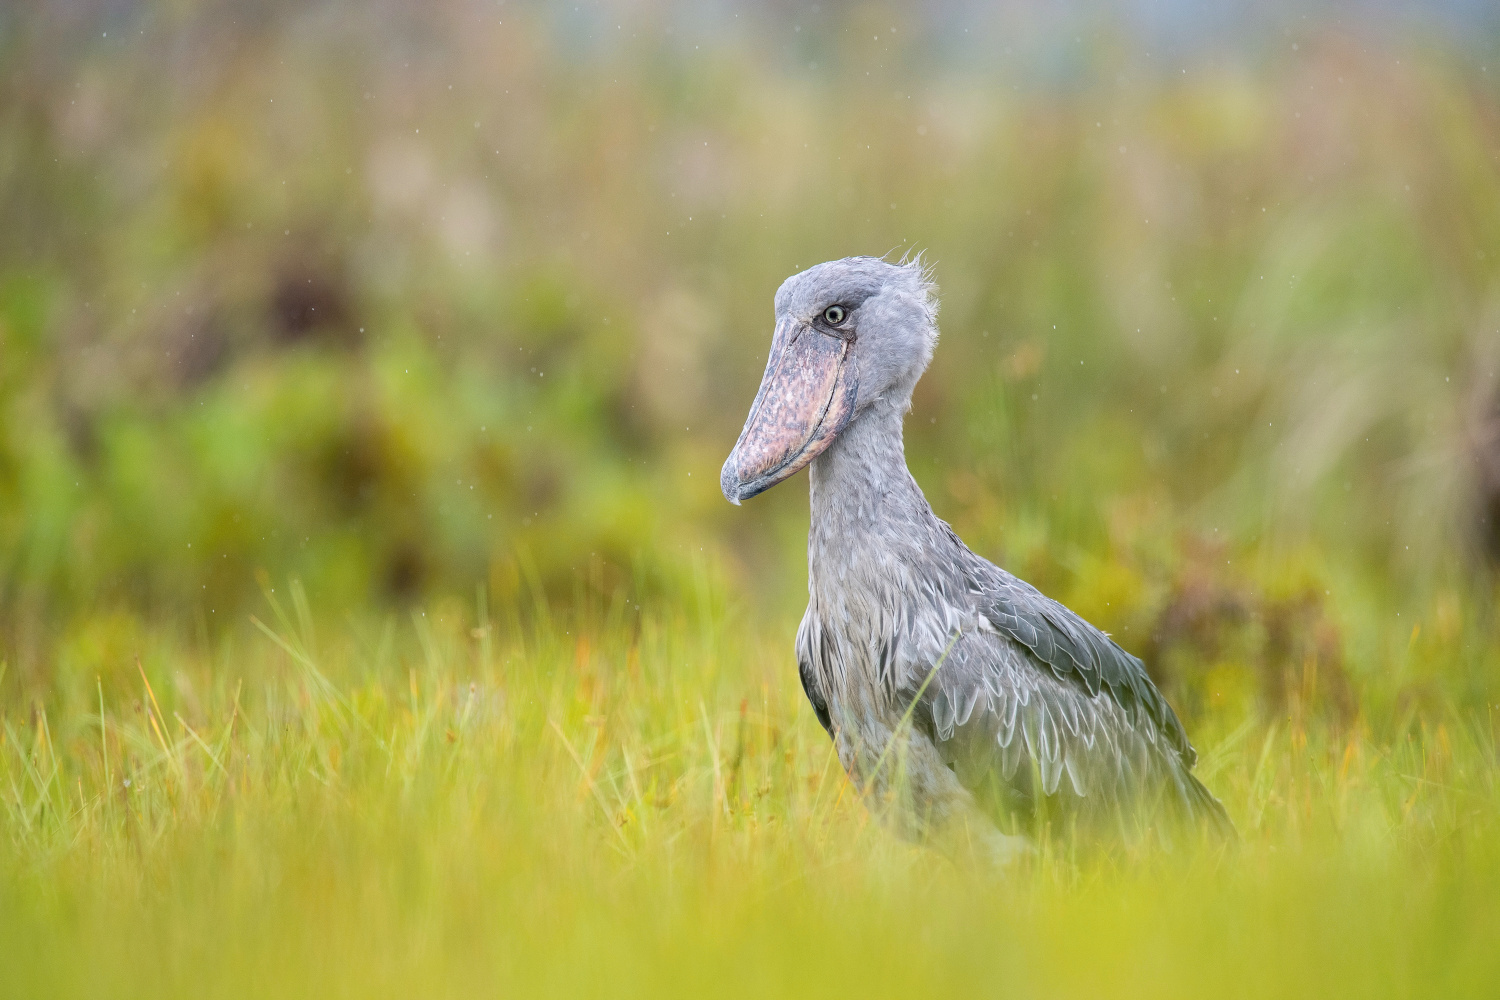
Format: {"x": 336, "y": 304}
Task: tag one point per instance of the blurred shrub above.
{"x": 402, "y": 299}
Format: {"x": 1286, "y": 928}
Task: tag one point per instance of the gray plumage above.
{"x": 1005, "y": 706}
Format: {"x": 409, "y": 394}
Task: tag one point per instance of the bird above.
{"x": 968, "y": 706}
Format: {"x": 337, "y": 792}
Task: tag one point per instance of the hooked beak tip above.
{"x": 729, "y": 482}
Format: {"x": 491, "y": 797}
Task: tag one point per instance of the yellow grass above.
{"x": 642, "y": 804}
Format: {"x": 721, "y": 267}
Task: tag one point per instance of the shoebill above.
{"x": 954, "y": 692}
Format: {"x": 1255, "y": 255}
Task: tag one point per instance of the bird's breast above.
{"x": 875, "y": 625}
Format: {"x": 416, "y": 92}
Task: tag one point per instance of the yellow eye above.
{"x": 834, "y": 315}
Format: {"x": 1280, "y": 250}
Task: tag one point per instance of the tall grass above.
{"x": 623, "y": 802}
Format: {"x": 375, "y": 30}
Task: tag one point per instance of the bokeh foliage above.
{"x": 228, "y": 243}
{"x": 398, "y": 301}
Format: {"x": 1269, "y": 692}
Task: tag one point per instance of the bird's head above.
{"x": 850, "y": 334}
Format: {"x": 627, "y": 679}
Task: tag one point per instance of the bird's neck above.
{"x": 862, "y": 478}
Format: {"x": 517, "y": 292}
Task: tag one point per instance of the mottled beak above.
{"x": 806, "y": 397}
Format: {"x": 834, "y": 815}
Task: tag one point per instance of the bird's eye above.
{"x": 834, "y": 315}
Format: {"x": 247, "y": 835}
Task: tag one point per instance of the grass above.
{"x": 640, "y": 803}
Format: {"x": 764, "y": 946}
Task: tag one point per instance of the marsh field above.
{"x": 371, "y": 623}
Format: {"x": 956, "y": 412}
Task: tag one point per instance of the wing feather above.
{"x": 997, "y": 715}
{"x": 1077, "y": 653}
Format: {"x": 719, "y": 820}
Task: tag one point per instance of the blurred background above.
{"x": 401, "y": 300}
